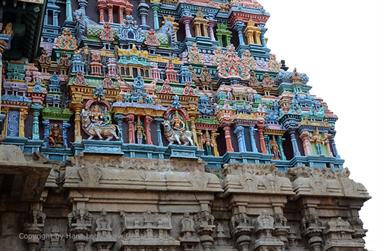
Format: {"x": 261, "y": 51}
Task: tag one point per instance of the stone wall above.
{"x": 101, "y": 203}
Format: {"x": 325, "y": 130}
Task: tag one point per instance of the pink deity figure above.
{"x": 106, "y": 35}
{"x": 107, "y": 82}
{"x": 166, "y": 88}
{"x": 275, "y": 149}
{"x": 152, "y": 39}
{"x": 188, "y": 90}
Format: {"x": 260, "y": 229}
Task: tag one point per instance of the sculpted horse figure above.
{"x": 102, "y": 131}
{"x": 181, "y": 137}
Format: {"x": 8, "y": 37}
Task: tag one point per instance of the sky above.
{"x": 335, "y": 42}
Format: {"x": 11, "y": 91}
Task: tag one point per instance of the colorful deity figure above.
{"x": 248, "y": 60}
{"x": 152, "y": 39}
{"x": 275, "y": 149}
{"x": 140, "y": 134}
{"x": 206, "y": 142}
{"x": 96, "y": 122}
{"x": 80, "y": 80}
{"x": 231, "y": 66}
{"x": 274, "y": 66}
{"x": 188, "y": 90}
{"x": 318, "y": 140}
{"x": 175, "y": 131}
{"x": 55, "y": 137}
{"x": 194, "y": 56}
{"x": 106, "y": 35}
{"x": 107, "y": 82}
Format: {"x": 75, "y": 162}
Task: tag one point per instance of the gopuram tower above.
{"x": 163, "y": 125}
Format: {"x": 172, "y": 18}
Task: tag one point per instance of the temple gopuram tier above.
{"x": 163, "y": 125}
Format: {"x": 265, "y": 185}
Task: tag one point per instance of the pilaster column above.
{"x": 214, "y": 135}
{"x": 102, "y": 14}
{"x": 239, "y": 131}
{"x": 130, "y": 123}
{"x": 280, "y": 145}
{"x": 239, "y": 26}
{"x": 252, "y": 139}
{"x": 267, "y": 145}
{"x": 23, "y": 115}
{"x": 147, "y": 128}
{"x": 194, "y": 130}
{"x": 55, "y": 18}
{"x": 77, "y": 109}
{"x": 155, "y": 9}
{"x": 158, "y": 131}
{"x": 333, "y": 145}
{"x": 294, "y": 143}
{"x": 186, "y": 21}
{"x": 35, "y": 130}
{"x": 262, "y": 35}
{"x": 211, "y": 30}
{"x": 260, "y": 129}
{"x": 119, "y": 118}
{"x": 65, "y": 127}
{"x": 227, "y": 136}
{"x": 205, "y": 30}
{"x": 120, "y": 15}
{"x": 110, "y": 14}
{"x": 46, "y": 132}
{"x": 305, "y": 137}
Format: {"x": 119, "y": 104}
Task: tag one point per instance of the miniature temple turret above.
{"x": 143, "y": 8}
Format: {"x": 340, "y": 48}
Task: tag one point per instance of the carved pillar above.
{"x": 186, "y": 21}
{"x": 294, "y": 143}
{"x": 119, "y": 119}
{"x": 239, "y": 131}
{"x": 227, "y": 136}
{"x": 214, "y": 135}
{"x": 46, "y": 132}
{"x": 280, "y": 145}
{"x": 23, "y": 115}
{"x": 77, "y": 109}
{"x": 110, "y": 13}
{"x": 305, "y": 137}
{"x": 333, "y": 146}
{"x": 239, "y": 26}
{"x": 262, "y": 35}
{"x": 120, "y": 15}
{"x": 260, "y": 129}
{"x": 252, "y": 139}
{"x": 147, "y": 128}
{"x": 102, "y": 14}
{"x": 211, "y": 30}
{"x": 155, "y": 9}
{"x": 65, "y": 127}
{"x": 34, "y": 228}
{"x": 130, "y": 123}
{"x": 194, "y": 131}
{"x": 158, "y": 131}
{"x": 69, "y": 11}
{"x": 267, "y": 145}
{"x": 35, "y": 134}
